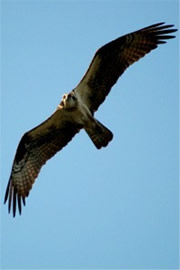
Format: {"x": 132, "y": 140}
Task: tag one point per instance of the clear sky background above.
{"x": 110, "y": 208}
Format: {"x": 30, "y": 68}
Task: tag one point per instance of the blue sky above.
{"x": 110, "y": 208}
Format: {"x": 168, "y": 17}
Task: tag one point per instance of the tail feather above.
{"x": 99, "y": 134}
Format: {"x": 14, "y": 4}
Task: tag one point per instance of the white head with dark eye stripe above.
{"x": 69, "y": 100}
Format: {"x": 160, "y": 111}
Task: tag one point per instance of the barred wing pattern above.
{"x": 35, "y": 148}
{"x": 111, "y": 60}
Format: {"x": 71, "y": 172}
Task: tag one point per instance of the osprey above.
{"x": 77, "y": 108}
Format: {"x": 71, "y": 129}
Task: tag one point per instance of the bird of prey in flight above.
{"x": 77, "y": 109}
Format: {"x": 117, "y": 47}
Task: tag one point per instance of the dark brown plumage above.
{"x": 76, "y": 110}
{"x": 111, "y": 60}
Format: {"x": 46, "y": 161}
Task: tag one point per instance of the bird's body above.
{"x": 77, "y": 109}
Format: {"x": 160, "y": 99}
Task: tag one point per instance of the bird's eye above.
{"x": 73, "y": 97}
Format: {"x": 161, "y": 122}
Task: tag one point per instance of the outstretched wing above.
{"x": 111, "y": 60}
{"x": 35, "y": 148}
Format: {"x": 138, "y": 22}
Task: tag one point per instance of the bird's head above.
{"x": 69, "y": 101}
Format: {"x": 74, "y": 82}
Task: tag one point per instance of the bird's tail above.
{"x": 99, "y": 134}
